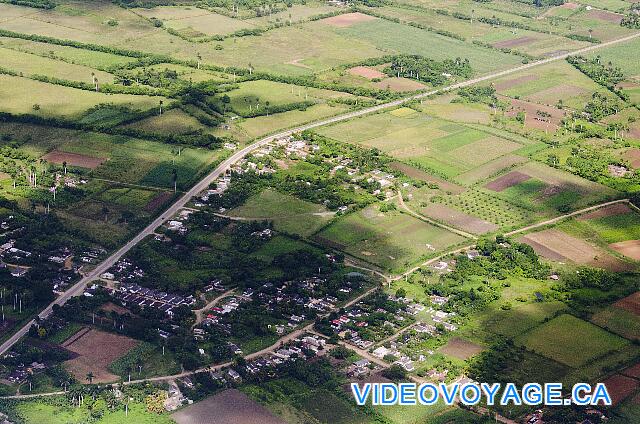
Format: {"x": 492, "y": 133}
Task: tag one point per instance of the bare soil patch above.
{"x": 96, "y": 351}
{"x": 633, "y": 371}
{"x": 509, "y": 180}
{"x": 400, "y": 84}
{"x": 112, "y": 307}
{"x": 570, "y": 6}
{"x": 611, "y": 210}
{"x": 365, "y": 71}
{"x": 159, "y": 200}
{"x": 505, "y": 85}
{"x": 460, "y": 348}
{"x": 514, "y": 42}
{"x": 603, "y": 15}
{"x": 630, "y": 303}
{"x": 633, "y": 157}
{"x": 458, "y": 219}
{"x": 228, "y": 407}
{"x": 629, "y": 248}
{"x": 635, "y": 132}
{"x": 347, "y": 19}
{"x": 74, "y": 159}
{"x": 419, "y": 174}
{"x": 559, "y": 246}
{"x": 620, "y": 387}
{"x": 537, "y": 116}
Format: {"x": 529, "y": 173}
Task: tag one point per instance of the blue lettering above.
{"x": 510, "y": 395}
{"x": 532, "y": 394}
{"x": 601, "y": 394}
{"x": 407, "y": 394}
{"x": 434, "y": 394}
{"x": 577, "y": 394}
{"x": 490, "y": 392}
{"x": 361, "y": 398}
{"x": 553, "y": 394}
{"x": 386, "y": 387}
{"x": 449, "y": 396}
{"x": 464, "y": 398}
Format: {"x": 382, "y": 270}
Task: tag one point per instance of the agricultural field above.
{"x": 571, "y": 341}
{"x": 391, "y": 240}
{"x": 289, "y": 214}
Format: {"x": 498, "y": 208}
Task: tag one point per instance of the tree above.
{"x": 90, "y": 377}
{"x": 395, "y": 373}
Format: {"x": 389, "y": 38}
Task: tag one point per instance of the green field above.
{"x": 618, "y": 321}
{"x": 289, "y": 214}
{"x": 571, "y": 341}
{"x": 19, "y": 95}
{"x": 392, "y": 240}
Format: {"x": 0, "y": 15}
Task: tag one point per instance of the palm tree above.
{"x": 64, "y": 166}
{"x": 128, "y": 369}
{"x": 161, "y": 102}
{"x": 199, "y": 59}
{"x": 90, "y": 377}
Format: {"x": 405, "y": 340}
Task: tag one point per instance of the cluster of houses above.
{"x": 22, "y": 372}
{"x": 133, "y": 294}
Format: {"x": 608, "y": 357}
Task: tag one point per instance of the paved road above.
{"x": 78, "y": 288}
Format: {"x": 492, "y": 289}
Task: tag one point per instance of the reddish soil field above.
{"x": 505, "y": 85}
{"x": 514, "y": 43}
{"x": 635, "y": 132}
{"x": 400, "y": 84}
{"x": 633, "y": 157}
{"x": 159, "y": 200}
{"x": 419, "y": 174}
{"x": 572, "y": 6}
{"x": 533, "y": 118}
{"x": 633, "y": 372}
{"x": 73, "y": 159}
{"x": 458, "y": 219}
{"x": 620, "y": 387}
{"x": 347, "y": 19}
{"x": 112, "y": 307}
{"x": 629, "y": 248}
{"x": 369, "y": 73}
{"x": 605, "y": 16}
{"x": 228, "y": 407}
{"x": 96, "y": 351}
{"x": 612, "y": 210}
{"x": 509, "y": 180}
{"x": 460, "y": 348}
{"x": 559, "y": 246}
{"x": 630, "y": 303}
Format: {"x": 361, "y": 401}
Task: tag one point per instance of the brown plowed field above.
{"x": 347, "y": 19}
{"x": 612, "y": 210}
{"x": 557, "y": 245}
{"x": 458, "y": 219}
{"x": 365, "y": 71}
{"x": 629, "y": 248}
{"x": 73, "y": 159}
{"x": 509, "y": 180}
{"x": 620, "y": 387}
{"x": 96, "y": 351}
{"x": 630, "y": 303}
{"x": 228, "y": 407}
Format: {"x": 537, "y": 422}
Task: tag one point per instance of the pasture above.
{"x": 289, "y": 214}
{"x": 21, "y": 95}
{"x": 618, "y": 321}
{"x": 570, "y": 341}
{"x": 391, "y": 240}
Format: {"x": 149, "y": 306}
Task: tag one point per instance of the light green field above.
{"x": 571, "y": 341}
{"x": 409, "y": 40}
{"x": 391, "y": 240}
{"x": 623, "y": 55}
{"x": 30, "y": 64}
{"x": 74, "y": 55}
{"x": 35, "y": 412}
{"x": 207, "y": 24}
{"x": 289, "y": 214}
{"x": 615, "y": 228}
{"x": 260, "y": 92}
{"x": 263, "y": 125}
{"x": 173, "y": 121}
{"x": 18, "y": 95}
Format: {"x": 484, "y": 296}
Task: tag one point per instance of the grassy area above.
{"x": 571, "y": 341}
{"x": 392, "y": 240}
{"x": 154, "y": 363}
{"x": 619, "y": 321}
{"x": 289, "y": 214}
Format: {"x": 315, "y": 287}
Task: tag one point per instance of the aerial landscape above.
{"x": 230, "y": 211}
